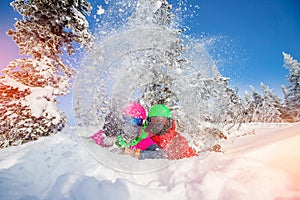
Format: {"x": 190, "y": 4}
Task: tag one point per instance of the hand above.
{"x": 132, "y": 152}
{"x": 127, "y": 151}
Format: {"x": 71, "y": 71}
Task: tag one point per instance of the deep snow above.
{"x": 263, "y": 165}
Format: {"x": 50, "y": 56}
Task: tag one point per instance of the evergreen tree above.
{"x": 262, "y": 108}
{"x": 292, "y": 95}
{"x": 221, "y": 104}
{"x": 248, "y": 108}
{"x": 286, "y": 115}
{"x": 29, "y": 86}
{"x": 271, "y": 105}
{"x": 258, "y": 111}
{"x": 157, "y": 15}
{"x": 234, "y": 108}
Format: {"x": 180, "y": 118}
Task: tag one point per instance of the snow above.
{"x": 40, "y": 102}
{"x": 157, "y": 6}
{"x": 39, "y": 99}
{"x": 11, "y": 82}
{"x": 263, "y": 165}
{"x": 100, "y": 10}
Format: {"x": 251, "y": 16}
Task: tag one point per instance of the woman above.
{"x": 128, "y": 134}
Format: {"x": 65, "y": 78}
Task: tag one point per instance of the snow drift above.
{"x": 263, "y": 165}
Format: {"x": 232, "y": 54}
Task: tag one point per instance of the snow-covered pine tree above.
{"x": 29, "y": 86}
{"x": 286, "y": 116}
{"x": 234, "y": 108}
{"x": 272, "y": 106}
{"x": 258, "y": 111}
{"x": 157, "y": 14}
{"x": 292, "y": 96}
{"x": 248, "y": 108}
{"x": 221, "y": 105}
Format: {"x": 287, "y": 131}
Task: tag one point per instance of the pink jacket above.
{"x": 142, "y": 145}
{"x": 98, "y": 138}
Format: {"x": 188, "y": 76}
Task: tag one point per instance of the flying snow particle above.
{"x": 100, "y": 10}
{"x": 158, "y": 6}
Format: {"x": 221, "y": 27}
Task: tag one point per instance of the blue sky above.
{"x": 258, "y": 30}
{"x": 253, "y": 35}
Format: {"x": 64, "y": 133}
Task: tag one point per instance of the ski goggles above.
{"x": 159, "y": 120}
{"x": 133, "y": 121}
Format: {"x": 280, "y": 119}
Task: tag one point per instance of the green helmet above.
{"x": 160, "y": 110}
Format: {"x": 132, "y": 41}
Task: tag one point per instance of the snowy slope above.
{"x": 277, "y": 147}
{"x": 259, "y": 166}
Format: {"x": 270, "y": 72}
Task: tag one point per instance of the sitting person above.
{"x": 128, "y": 134}
{"x": 161, "y": 127}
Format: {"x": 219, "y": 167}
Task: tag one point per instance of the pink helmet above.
{"x": 134, "y": 110}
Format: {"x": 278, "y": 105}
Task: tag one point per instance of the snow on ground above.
{"x": 263, "y": 165}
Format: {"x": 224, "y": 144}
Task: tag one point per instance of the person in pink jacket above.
{"x": 128, "y": 133}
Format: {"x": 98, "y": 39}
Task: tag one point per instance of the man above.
{"x": 161, "y": 127}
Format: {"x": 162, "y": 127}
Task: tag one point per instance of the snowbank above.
{"x": 277, "y": 147}
{"x": 258, "y": 166}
